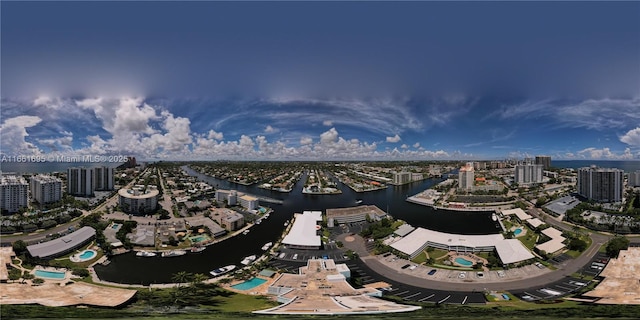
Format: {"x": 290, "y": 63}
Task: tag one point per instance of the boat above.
{"x": 286, "y": 223}
{"x": 246, "y": 231}
{"x": 267, "y": 246}
{"x": 248, "y": 260}
{"x": 259, "y": 221}
{"x": 223, "y": 270}
{"x": 145, "y": 254}
{"x": 197, "y": 249}
{"x": 359, "y": 201}
{"x": 173, "y": 253}
{"x": 265, "y": 216}
{"x": 494, "y": 217}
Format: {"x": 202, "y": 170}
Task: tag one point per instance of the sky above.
{"x": 321, "y": 80}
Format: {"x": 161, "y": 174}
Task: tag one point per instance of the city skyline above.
{"x": 302, "y": 81}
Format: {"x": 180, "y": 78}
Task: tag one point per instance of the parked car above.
{"x": 432, "y": 272}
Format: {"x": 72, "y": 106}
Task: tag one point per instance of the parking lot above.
{"x": 566, "y": 286}
{"x": 365, "y": 276}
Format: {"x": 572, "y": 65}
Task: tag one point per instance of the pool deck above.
{"x": 56, "y": 295}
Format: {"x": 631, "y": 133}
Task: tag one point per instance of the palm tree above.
{"x": 198, "y": 280}
{"x": 181, "y": 277}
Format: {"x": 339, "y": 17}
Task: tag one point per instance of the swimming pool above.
{"x": 49, "y": 274}
{"x": 200, "y": 238}
{"x": 517, "y": 231}
{"x": 249, "y": 284}
{"x": 115, "y": 226}
{"x": 85, "y": 255}
{"x": 463, "y": 262}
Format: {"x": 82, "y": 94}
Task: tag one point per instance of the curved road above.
{"x": 570, "y": 267}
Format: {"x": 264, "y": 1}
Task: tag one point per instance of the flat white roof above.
{"x": 551, "y": 246}
{"x": 509, "y": 250}
{"x": 553, "y": 233}
{"x": 63, "y": 244}
{"x": 303, "y": 231}
{"x": 518, "y": 212}
{"x": 535, "y": 222}
{"x": 404, "y": 230}
{"x": 416, "y": 239}
{"x": 512, "y": 250}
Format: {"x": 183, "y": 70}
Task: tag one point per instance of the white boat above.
{"x": 286, "y": 223}
{"x": 223, "y": 270}
{"x": 267, "y": 246}
{"x": 173, "y": 253}
{"x": 246, "y": 231}
{"x": 145, "y": 254}
{"x": 248, "y": 260}
{"x": 259, "y": 221}
{"x": 197, "y": 249}
{"x": 359, "y": 201}
{"x": 494, "y": 217}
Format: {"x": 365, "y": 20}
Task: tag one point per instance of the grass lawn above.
{"x": 437, "y": 253}
{"x": 242, "y": 303}
{"x": 421, "y": 258}
{"x": 529, "y": 239}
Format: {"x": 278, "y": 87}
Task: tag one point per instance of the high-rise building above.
{"x": 634, "y": 179}
{"x": 466, "y": 176}
{"x": 103, "y": 178}
{"x": 80, "y": 182}
{"x": 601, "y": 184}
{"x": 545, "y": 161}
{"x": 13, "y": 193}
{"x": 528, "y": 174}
{"x": 46, "y": 189}
{"x": 401, "y": 177}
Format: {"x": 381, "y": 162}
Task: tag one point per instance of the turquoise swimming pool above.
{"x": 49, "y": 274}
{"x": 463, "y": 262}
{"x": 87, "y": 255}
{"x": 199, "y": 238}
{"x": 517, "y": 231}
{"x": 249, "y": 284}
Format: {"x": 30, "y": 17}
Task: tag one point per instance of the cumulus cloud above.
{"x": 604, "y": 153}
{"x": 404, "y": 146}
{"x": 632, "y": 137}
{"x": 13, "y": 133}
{"x": 42, "y": 101}
{"x": 393, "y": 139}
{"x": 270, "y": 129}
{"x": 327, "y": 123}
{"x": 330, "y": 136}
{"x": 215, "y": 135}
{"x": 306, "y": 141}
{"x": 416, "y": 145}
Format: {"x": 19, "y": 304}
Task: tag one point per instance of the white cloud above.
{"x": 604, "y": 153}
{"x": 632, "y": 137}
{"x": 13, "y": 133}
{"x": 394, "y": 139}
{"x": 330, "y": 136}
{"x": 42, "y": 101}
{"x": 306, "y": 141}
{"x": 404, "y": 146}
{"x": 215, "y": 135}
{"x": 270, "y": 129}
{"x": 327, "y": 123}
{"x": 416, "y": 145}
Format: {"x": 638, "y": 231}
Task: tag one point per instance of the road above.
{"x": 569, "y": 267}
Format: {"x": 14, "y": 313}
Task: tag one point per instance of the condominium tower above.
{"x": 80, "y": 182}
{"x": 544, "y": 160}
{"x": 466, "y": 177}
{"x": 13, "y": 193}
{"x": 601, "y": 184}
{"x": 103, "y": 178}
{"x": 46, "y": 189}
{"x": 528, "y": 174}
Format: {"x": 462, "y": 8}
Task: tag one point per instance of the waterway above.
{"x": 128, "y": 268}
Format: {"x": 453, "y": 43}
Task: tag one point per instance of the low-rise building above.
{"x": 227, "y": 219}
{"x": 248, "y": 202}
{"x": 304, "y": 232}
{"x": 63, "y": 245}
{"x": 354, "y": 214}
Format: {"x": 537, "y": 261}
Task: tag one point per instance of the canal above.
{"x": 127, "y": 268}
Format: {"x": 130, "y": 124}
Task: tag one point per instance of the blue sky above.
{"x": 321, "y": 80}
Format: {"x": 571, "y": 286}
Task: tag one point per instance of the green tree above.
{"x": 19, "y": 247}
{"x": 615, "y": 245}
{"x": 577, "y": 245}
{"x": 181, "y": 277}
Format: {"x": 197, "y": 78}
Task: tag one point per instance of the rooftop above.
{"x": 621, "y": 284}
{"x": 303, "y": 232}
{"x": 62, "y": 244}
